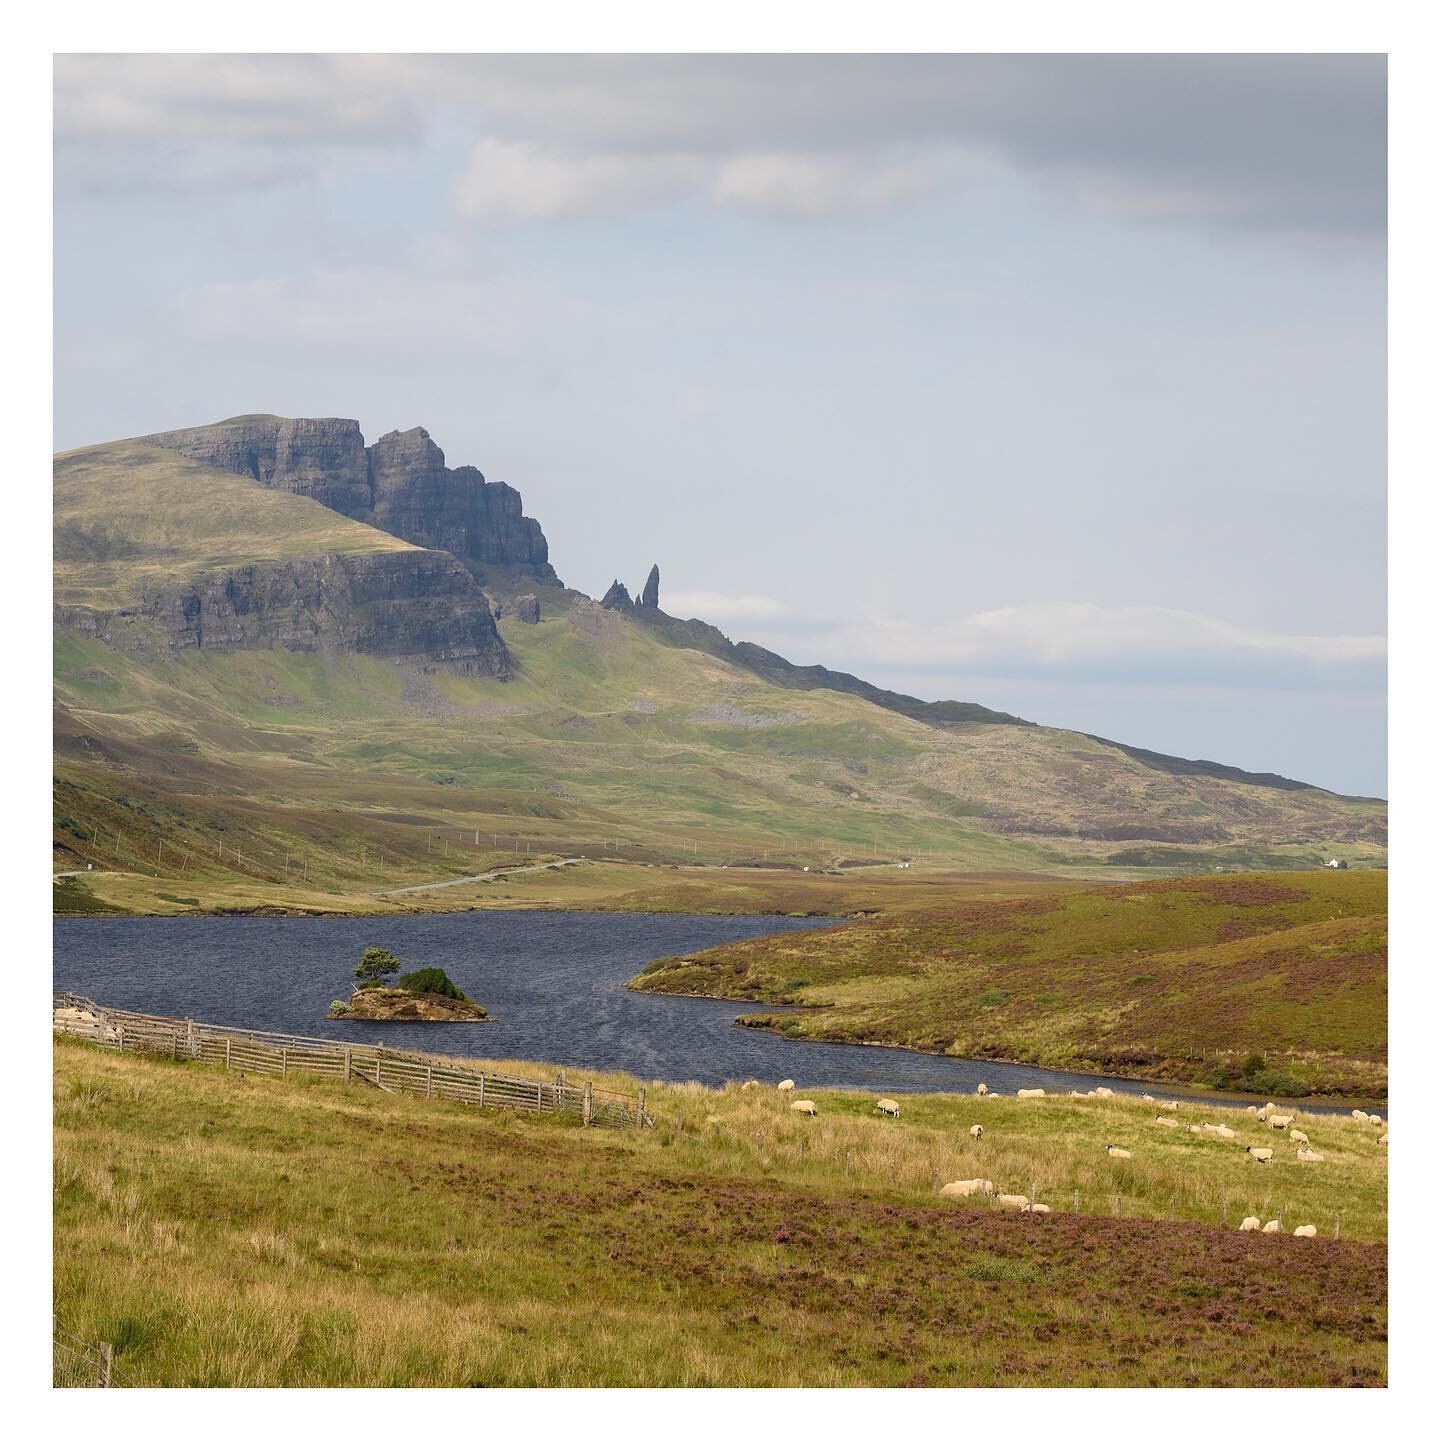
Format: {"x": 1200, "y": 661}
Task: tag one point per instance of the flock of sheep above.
{"x": 1269, "y": 1113}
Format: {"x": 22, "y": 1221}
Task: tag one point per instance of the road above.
{"x": 483, "y": 876}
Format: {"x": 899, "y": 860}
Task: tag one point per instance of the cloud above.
{"x": 1258, "y": 142}
{"x": 520, "y": 182}
{"x": 1123, "y": 645}
{"x": 713, "y": 606}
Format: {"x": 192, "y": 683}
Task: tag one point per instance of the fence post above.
{"x": 103, "y": 1364}
{"x": 227, "y": 1053}
{"x": 587, "y": 1105}
{"x": 190, "y": 1036}
{"x": 640, "y": 1109}
{"x": 429, "y": 1082}
{"x": 482, "y": 1089}
{"x": 120, "y": 1033}
{"x": 1077, "y": 1203}
{"x": 347, "y": 1061}
{"x": 378, "y": 1086}
{"x": 1337, "y": 1225}
{"x": 1225, "y": 1214}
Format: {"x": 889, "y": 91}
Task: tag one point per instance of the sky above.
{"x": 1055, "y": 383}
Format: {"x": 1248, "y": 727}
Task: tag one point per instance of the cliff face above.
{"x": 400, "y": 484}
{"x": 422, "y": 606}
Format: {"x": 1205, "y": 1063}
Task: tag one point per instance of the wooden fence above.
{"x": 78, "y": 1363}
{"x": 277, "y": 1054}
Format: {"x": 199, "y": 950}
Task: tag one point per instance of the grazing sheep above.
{"x": 1261, "y": 1153}
{"x": 1116, "y": 1153}
{"x": 1250, "y": 1223}
{"x": 1104, "y": 1092}
{"x": 1225, "y": 1132}
{"x": 982, "y": 1089}
{"x": 1148, "y": 1097}
{"x": 1280, "y": 1123}
{"x": 806, "y": 1108}
{"x": 748, "y": 1085}
{"x": 1270, "y": 1227}
{"x": 1029, "y": 1095}
{"x": 1008, "y": 1202}
{"x": 786, "y": 1086}
{"x": 1358, "y": 1115}
{"x": 1166, "y": 1121}
{"x": 1268, "y": 1108}
{"x": 1170, "y": 1105}
{"x": 889, "y": 1107}
{"x": 1197, "y": 1130}
{"x": 1383, "y": 1140}
{"x": 977, "y": 1187}
{"x": 1306, "y": 1154}
{"x": 1300, "y": 1138}
{"x": 977, "y": 1131}
{"x": 1304, "y": 1230}
{"x": 1376, "y": 1121}
{"x": 1252, "y": 1110}
{"x": 1037, "y": 1208}
{"x": 993, "y": 1096}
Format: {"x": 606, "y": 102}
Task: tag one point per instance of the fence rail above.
{"x": 275, "y": 1053}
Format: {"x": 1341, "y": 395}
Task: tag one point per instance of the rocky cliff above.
{"x": 400, "y": 484}
{"x": 418, "y": 605}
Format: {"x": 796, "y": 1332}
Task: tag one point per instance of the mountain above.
{"x": 276, "y": 646}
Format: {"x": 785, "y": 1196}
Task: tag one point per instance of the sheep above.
{"x": 889, "y": 1107}
{"x": 1383, "y": 1140}
{"x": 1304, "y": 1230}
{"x": 1225, "y": 1133}
{"x": 1252, "y": 1110}
{"x": 977, "y": 1131}
{"x": 1170, "y": 1105}
{"x": 748, "y": 1085}
{"x": 1358, "y": 1115}
{"x": 1280, "y": 1123}
{"x": 1104, "y": 1093}
{"x": 1029, "y": 1095}
{"x": 982, "y": 1089}
{"x": 1306, "y": 1154}
{"x": 1166, "y": 1121}
{"x": 1196, "y": 1130}
{"x": 1037, "y": 1208}
{"x": 1270, "y": 1228}
{"x": 976, "y": 1187}
{"x": 1250, "y": 1223}
{"x": 1012, "y": 1203}
{"x": 806, "y": 1108}
{"x": 1376, "y": 1121}
{"x": 1300, "y": 1138}
{"x": 1148, "y": 1097}
{"x": 1261, "y": 1153}
{"x": 786, "y": 1086}
{"x": 1116, "y": 1153}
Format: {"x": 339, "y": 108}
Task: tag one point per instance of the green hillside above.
{"x": 358, "y": 773}
{"x": 1182, "y": 979}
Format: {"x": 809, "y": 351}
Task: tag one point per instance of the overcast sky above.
{"x": 1055, "y": 383}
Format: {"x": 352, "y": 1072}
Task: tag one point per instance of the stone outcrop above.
{"x": 385, "y": 1004}
{"x": 650, "y": 594}
{"x": 617, "y": 597}
{"x": 418, "y": 605}
{"x": 400, "y": 484}
{"x": 527, "y": 609}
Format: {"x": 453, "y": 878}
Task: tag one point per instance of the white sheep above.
{"x": 1167, "y": 1121}
{"x": 1037, "y": 1208}
{"x": 1268, "y": 1108}
{"x": 1383, "y": 1140}
{"x": 1104, "y": 1092}
{"x": 1250, "y": 1223}
{"x": 1280, "y": 1123}
{"x": 1196, "y": 1130}
{"x": 1300, "y": 1138}
{"x": 1029, "y": 1095}
{"x": 977, "y": 1131}
{"x": 982, "y": 1089}
{"x": 889, "y": 1107}
{"x": 748, "y": 1085}
{"x": 1225, "y": 1132}
{"x": 1148, "y": 1097}
{"x": 1376, "y": 1121}
{"x": 1306, "y": 1154}
{"x": 1261, "y": 1153}
{"x": 1358, "y": 1115}
{"x": 1304, "y": 1230}
{"x": 975, "y": 1187}
{"x": 786, "y": 1086}
{"x": 1270, "y": 1227}
{"x": 1116, "y": 1153}
{"x": 806, "y": 1108}
{"x": 1170, "y": 1105}
{"x": 1252, "y": 1110}
{"x": 1012, "y": 1203}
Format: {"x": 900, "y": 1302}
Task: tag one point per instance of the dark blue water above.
{"x": 553, "y": 980}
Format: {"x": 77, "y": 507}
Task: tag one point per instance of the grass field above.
{"x": 221, "y": 1230}
{"x": 1181, "y": 979}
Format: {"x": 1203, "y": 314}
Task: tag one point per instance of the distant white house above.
{"x": 1337, "y": 865}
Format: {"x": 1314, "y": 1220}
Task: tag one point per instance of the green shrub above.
{"x": 998, "y": 1268}
{"x": 1275, "y": 1083}
{"x": 1252, "y": 1065}
{"x": 993, "y": 997}
{"x": 338, "y": 1008}
{"x": 431, "y": 981}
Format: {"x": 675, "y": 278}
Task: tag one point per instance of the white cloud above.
{"x": 815, "y": 187}
{"x": 1115, "y": 644}
{"x": 520, "y": 182}
{"x": 713, "y": 606}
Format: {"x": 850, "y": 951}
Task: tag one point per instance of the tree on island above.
{"x": 375, "y": 965}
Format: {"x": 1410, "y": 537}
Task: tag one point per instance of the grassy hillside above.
{"x": 203, "y": 770}
{"x": 1182, "y": 979}
{"x": 221, "y": 1230}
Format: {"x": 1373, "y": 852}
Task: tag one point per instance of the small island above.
{"x": 424, "y": 995}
